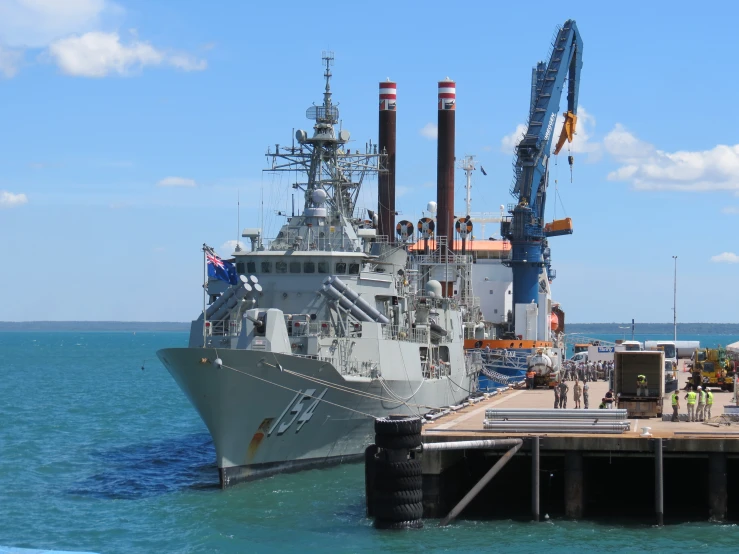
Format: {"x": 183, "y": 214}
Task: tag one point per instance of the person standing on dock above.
{"x": 675, "y": 406}
{"x": 690, "y": 397}
{"x": 556, "y": 395}
{"x": 530, "y": 376}
{"x": 701, "y": 404}
{"x": 709, "y": 405}
{"x": 576, "y": 390}
{"x": 586, "y": 395}
{"x": 563, "y": 390}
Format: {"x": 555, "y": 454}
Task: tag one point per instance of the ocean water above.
{"x": 97, "y": 454}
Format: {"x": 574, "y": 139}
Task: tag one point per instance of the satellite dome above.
{"x": 431, "y": 207}
{"x": 318, "y": 196}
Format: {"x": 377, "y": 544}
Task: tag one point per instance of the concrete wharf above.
{"x": 684, "y": 471}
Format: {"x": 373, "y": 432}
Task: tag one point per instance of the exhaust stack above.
{"x": 386, "y": 179}
{"x": 445, "y": 161}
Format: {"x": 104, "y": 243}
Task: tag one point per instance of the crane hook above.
{"x": 570, "y": 160}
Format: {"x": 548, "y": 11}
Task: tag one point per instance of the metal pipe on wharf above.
{"x": 552, "y": 427}
{"x": 484, "y": 444}
{"x": 529, "y": 414}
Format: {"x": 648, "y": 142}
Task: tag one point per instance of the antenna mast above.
{"x": 468, "y": 166}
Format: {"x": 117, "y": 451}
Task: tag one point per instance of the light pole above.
{"x": 674, "y": 301}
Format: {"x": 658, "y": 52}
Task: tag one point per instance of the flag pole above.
{"x": 205, "y": 284}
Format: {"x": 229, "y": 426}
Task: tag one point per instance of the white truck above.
{"x": 595, "y": 353}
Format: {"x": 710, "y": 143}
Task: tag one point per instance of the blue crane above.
{"x": 525, "y": 228}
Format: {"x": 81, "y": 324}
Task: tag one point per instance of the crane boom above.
{"x": 530, "y": 254}
{"x": 533, "y": 150}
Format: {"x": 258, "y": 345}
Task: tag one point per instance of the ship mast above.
{"x": 468, "y": 166}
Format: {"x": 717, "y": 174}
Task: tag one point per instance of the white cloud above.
{"x": 10, "y": 200}
{"x": 509, "y": 142}
{"x": 9, "y": 61}
{"x": 177, "y": 182}
{"x": 726, "y": 257}
{"x": 97, "y": 54}
{"x": 582, "y": 143}
{"x": 228, "y": 247}
{"x": 648, "y": 168}
{"x": 430, "y": 131}
{"x": 35, "y": 23}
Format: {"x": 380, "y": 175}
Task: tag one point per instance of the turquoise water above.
{"x": 98, "y": 455}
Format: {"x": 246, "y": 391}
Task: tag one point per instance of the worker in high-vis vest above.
{"x": 675, "y": 406}
{"x": 641, "y": 385}
{"x": 709, "y": 405}
{"x": 691, "y": 404}
{"x": 701, "y": 404}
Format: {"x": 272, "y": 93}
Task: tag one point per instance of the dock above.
{"x": 682, "y": 471}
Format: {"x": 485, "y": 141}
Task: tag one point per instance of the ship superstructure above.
{"x": 329, "y": 324}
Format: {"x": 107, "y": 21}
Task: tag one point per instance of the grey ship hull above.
{"x": 265, "y": 421}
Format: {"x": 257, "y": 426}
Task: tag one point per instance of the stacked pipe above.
{"x": 556, "y": 421}
{"x": 387, "y": 141}
{"x": 500, "y": 414}
{"x": 335, "y": 289}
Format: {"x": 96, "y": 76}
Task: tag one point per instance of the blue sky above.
{"x": 130, "y": 127}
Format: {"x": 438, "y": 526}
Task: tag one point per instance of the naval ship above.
{"x": 337, "y": 320}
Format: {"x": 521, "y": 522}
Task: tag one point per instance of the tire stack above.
{"x": 397, "y": 498}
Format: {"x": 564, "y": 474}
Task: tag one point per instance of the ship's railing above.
{"x": 297, "y": 239}
{"x": 513, "y": 359}
{"x": 223, "y": 327}
{"x": 398, "y": 332}
{"x": 441, "y": 259}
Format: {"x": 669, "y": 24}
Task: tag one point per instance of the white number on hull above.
{"x": 295, "y": 407}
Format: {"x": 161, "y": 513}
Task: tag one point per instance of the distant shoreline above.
{"x": 95, "y": 326}
{"x": 181, "y": 327}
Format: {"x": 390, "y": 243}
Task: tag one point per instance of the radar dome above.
{"x": 431, "y": 207}
{"x": 318, "y": 196}
{"x": 433, "y": 288}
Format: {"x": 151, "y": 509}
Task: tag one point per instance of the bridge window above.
{"x": 309, "y": 267}
{"x": 280, "y": 267}
{"x": 251, "y": 266}
{"x": 353, "y": 269}
{"x": 239, "y": 267}
{"x": 294, "y": 267}
{"x": 322, "y": 267}
{"x": 341, "y": 268}
{"x": 266, "y": 267}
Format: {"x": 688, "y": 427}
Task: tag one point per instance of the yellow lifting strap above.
{"x": 568, "y": 131}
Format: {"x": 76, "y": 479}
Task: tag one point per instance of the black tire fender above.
{"x": 407, "y": 426}
{"x": 392, "y": 470}
{"x": 413, "y": 524}
{"x": 398, "y": 442}
{"x": 398, "y": 512}
{"x": 399, "y": 496}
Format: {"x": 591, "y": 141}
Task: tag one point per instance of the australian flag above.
{"x": 218, "y": 268}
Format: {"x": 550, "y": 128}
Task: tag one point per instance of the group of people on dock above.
{"x": 699, "y": 401}
{"x": 579, "y": 392}
{"x": 586, "y": 371}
